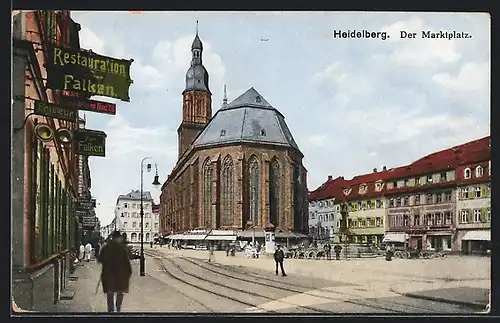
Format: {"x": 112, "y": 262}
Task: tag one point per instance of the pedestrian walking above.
{"x": 257, "y": 250}
{"x": 97, "y": 249}
{"x": 328, "y": 251}
{"x": 279, "y": 257}
{"x": 116, "y": 271}
{"x": 337, "y": 249}
{"x": 211, "y": 254}
{"x": 81, "y": 255}
{"x": 227, "y": 250}
{"x": 88, "y": 251}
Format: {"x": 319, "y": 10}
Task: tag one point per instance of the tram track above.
{"x": 268, "y": 285}
{"x": 281, "y": 285}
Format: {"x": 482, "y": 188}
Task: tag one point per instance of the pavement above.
{"x": 430, "y": 279}
{"x": 184, "y": 281}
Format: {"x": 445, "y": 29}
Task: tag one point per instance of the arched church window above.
{"x": 227, "y": 191}
{"x": 254, "y": 189}
{"x": 207, "y": 194}
{"x": 275, "y": 190}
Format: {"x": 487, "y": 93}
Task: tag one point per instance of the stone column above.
{"x": 239, "y": 186}
{"x": 265, "y": 190}
{"x": 215, "y": 192}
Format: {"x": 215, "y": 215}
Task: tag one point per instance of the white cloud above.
{"x": 317, "y": 140}
{"x": 119, "y": 171}
{"x": 473, "y": 77}
{"x": 419, "y": 51}
{"x": 89, "y": 40}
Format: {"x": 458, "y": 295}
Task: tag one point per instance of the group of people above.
{"x": 85, "y": 252}
{"x": 328, "y": 251}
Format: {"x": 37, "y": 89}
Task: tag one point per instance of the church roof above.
{"x": 249, "y": 118}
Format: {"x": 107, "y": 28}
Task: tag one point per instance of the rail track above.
{"x": 224, "y": 286}
{"x": 278, "y": 285}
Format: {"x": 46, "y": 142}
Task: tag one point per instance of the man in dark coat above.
{"x": 279, "y": 256}
{"x": 116, "y": 271}
{"x": 328, "y": 251}
{"x": 337, "y": 250}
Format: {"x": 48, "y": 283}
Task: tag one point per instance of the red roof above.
{"x": 472, "y": 153}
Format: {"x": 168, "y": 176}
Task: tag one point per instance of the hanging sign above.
{"x": 55, "y": 111}
{"x": 90, "y": 142}
{"x": 89, "y": 105}
{"x": 84, "y": 71}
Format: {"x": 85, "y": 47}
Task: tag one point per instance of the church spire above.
{"x": 224, "y": 101}
{"x": 196, "y": 49}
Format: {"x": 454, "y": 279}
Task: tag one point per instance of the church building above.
{"x": 236, "y": 170}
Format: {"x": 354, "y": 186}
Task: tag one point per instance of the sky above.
{"x": 351, "y": 104}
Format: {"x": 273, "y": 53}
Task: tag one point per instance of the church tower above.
{"x": 197, "y": 99}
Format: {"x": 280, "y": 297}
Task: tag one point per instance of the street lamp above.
{"x": 250, "y": 224}
{"x": 142, "y": 264}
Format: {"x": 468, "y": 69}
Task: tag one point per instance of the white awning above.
{"x": 396, "y": 237}
{"x": 174, "y": 236}
{"x": 221, "y": 238}
{"x": 477, "y": 235}
{"x": 193, "y": 237}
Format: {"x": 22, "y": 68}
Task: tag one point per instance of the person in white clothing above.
{"x": 88, "y": 251}
{"x": 82, "y": 252}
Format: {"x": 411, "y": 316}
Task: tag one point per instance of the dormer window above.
{"x": 262, "y": 132}
{"x": 223, "y": 132}
{"x": 362, "y": 189}
{"x": 467, "y": 173}
{"x": 125, "y": 205}
{"x": 429, "y": 179}
{"x": 479, "y": 171}
{"x": 258, "y": 99}
{"x": 347, "y": 191}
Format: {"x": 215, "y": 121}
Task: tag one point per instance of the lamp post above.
{"x": 142, "y": 264}
{"x": 250, "y": 224}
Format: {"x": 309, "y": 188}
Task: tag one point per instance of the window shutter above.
{"x": 484, "y": 192}
{"x": 483, "y": 215}
{"x": 469, "y": 216}
{"x": 472, "y": 194}
{"x": 363, "y": 204}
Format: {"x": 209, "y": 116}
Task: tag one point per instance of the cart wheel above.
{"x": 398, "y": 254}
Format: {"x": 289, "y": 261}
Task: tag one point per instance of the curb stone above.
{"x": 474, "y": 305}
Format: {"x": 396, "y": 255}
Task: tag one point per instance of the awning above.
{"x": 395, "y": 237}
{"x": 221, "y": 238}
{"x": 193, "y": 237}
{"x": 175, "y": 237}
{"x": 477, "y": 235}
{"x": 250, "y": 233}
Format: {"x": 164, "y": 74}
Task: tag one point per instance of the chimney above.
{"x": 374, "y": 170}
{"x": 330, "y": 178}
{"x": 384, "y": 168}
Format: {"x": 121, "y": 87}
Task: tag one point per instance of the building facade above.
{"x": 324, "y": 213}
{"x": 240, "y": 168}
{"x": 473, "y": 207}
{"x": 44, "y": 174}
{"x": 439, "y": 202}
{"x": 128, "y": 217}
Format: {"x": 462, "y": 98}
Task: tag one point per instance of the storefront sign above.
{"x": 87, "y": 72}
{"x": 89, "y": 105}
{"x": 55, "y": 111}
{"x": 85, "y": 205}
{"x": 443, "y": 207}
{"x": 90, "y": 142}
{"x": 81, "y": 213}
{"x": 89, "y": 221}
